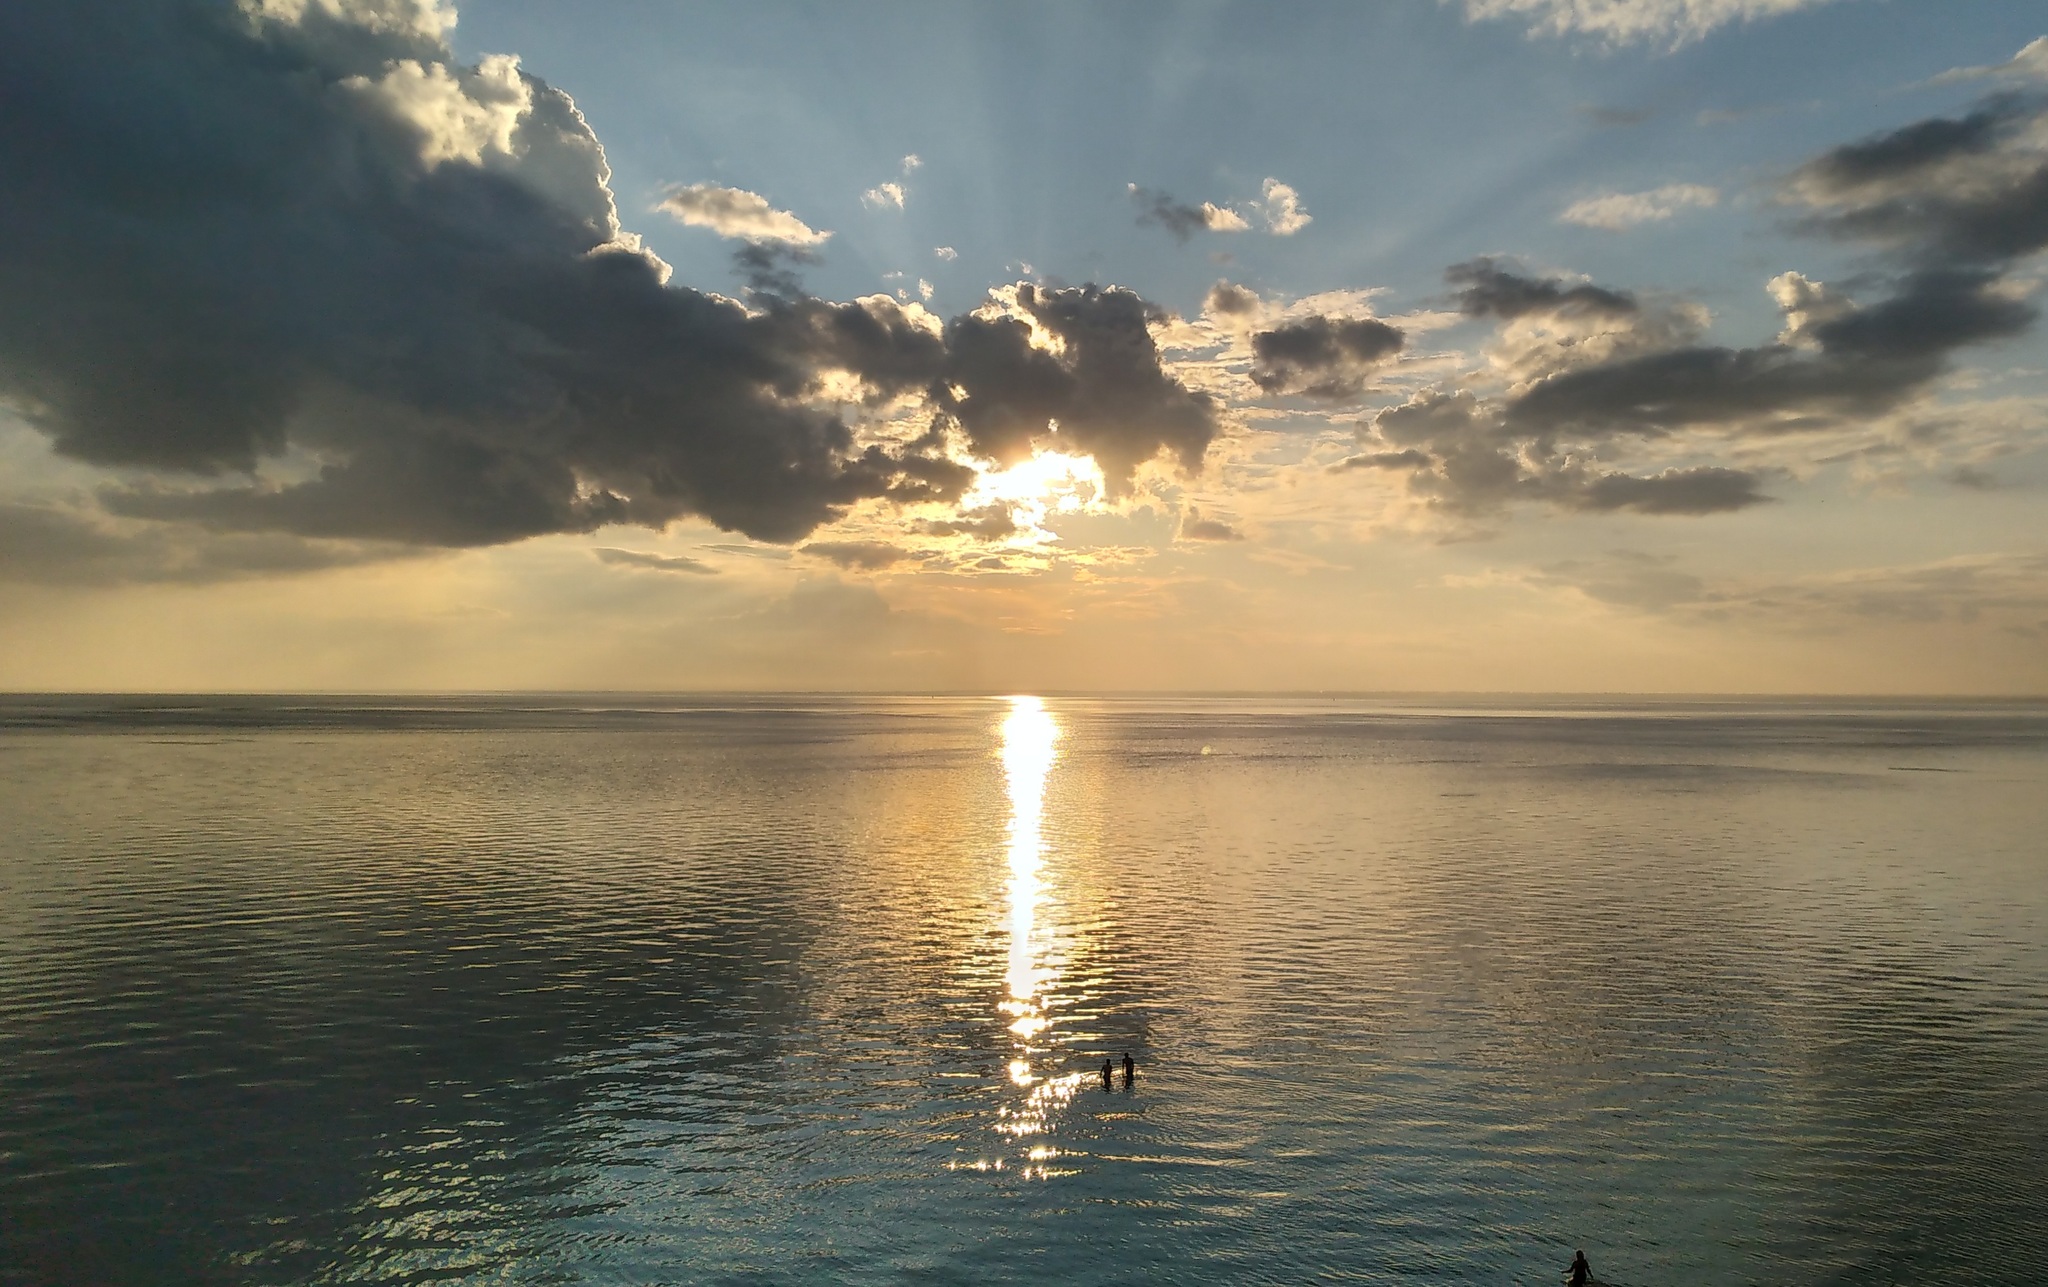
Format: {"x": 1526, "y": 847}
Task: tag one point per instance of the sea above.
{"x": 820, "y": 989}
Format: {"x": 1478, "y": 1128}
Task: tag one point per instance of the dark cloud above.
{"x": 1860, "y": 361}
{"x": 1196, "y": 528}
{"x": 772, "y": 267}
{"x": 1968, "y": 190}
{"x": 653, "y": 562}
{"x": 1409, "y": 459}
{"x": 1705, "y": 490}
{"x": 55, "y": 545}
{"x": 990, "y": 523}
{"x": 1322, "y": 357}
{"x": 1973, "y": 478}
{"x": 1183, "y": 219}
{"x": 1485, "y": 289}
{"x": 1914, "y": 148}
{"x": 1462, "y": 457}
{"x": 1103, "y": 395}
{"x": 864, "y": 555}
{"x": 1229, "y": 300}
{"x": 223, "y": 236}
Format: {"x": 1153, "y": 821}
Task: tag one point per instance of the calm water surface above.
{"x": 755, "y": 991}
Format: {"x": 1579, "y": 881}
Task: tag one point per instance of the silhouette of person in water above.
{"x": 1105, "y": 1074}
{"x": 1130, "y": 1070}
{"x": 1581, "y": 1274}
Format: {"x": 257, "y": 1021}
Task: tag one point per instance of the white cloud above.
{"x": 424, "y": 19}
{"x": 1620, "y": 22}
{"x": 884, "y": 196}
{"x": 1219, "y": 219}
{"x": 457, "y": 118}
{"x": 924, "y": 288}
{"x": 1280, "y": 206}
{"x": 946, "y": 253}
{"x": 911, "y": 162}
{"x": 1620, "y": 211}
{"x": 735, "y": 212}
{"x": 2030, "y": 63}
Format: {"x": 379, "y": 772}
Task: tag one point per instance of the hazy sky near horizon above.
{"x": 1646, "y": 345}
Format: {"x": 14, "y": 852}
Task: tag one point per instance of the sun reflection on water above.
{"x": 1030, "y": 737}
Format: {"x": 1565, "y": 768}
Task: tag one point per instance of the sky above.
{"x": 1676, "y": 346}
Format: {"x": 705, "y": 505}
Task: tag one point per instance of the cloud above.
{"x": 1702, "y": 490}
{"x": 1280, "y": 206}
{"x": 1318, "y": 356}
{"x": 1861, "y": 361}
{"x": 2030, "y": 63}
{"x": 1620, "y": 211}
{"x": 989, "y": 523}
{"x": 1093, "y": 387}
{"x": 1619, "y": 22}
{"x": 946, "y": 253}
{"x": 1182, "y": 219}
{"x": 867, "y": 556}
{"x": 45, "y": 544}
{"x": 735, "y": 212}
{"x": 912, "y": 162}
{"x": 1196, "y": 528}
{"x": 1971, "y": 189}
{"x": 288, "y": 293}
{"x": 1486, "y": 289}
{"x": 652, "y": 561}
{"x": 1950, "y": 204}
{"x": 1228, "y": 300}
{"x": 887, "y": 196}
{"x": 1460, "y": 454}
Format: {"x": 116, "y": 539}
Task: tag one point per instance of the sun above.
{"x": 1050, "y": 482}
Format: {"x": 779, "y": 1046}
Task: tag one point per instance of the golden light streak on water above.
{"x": 1029, "y": 747}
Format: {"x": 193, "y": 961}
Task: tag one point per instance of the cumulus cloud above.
{"x": 233, "y": 236}
{"x": 1663, "y": 22}
{"x": 1553, "y": 324}
{"x": 1194, "y": 527}
{"x": 738, "y": 213}
{"x": 1280, "y": 207}
{"x": 1861, "y": 361}
{"x": 1954, "y": 202}
{"x": 886, "y": 196}
{"x": 1183, "y": 219}
{"x": 1971, "y": 189}
{"x": 1226, "y": 299}
{"x": 1951, "y": 205}
{"x": 946, "y": 253}
{"x": 1620, "y": 211}
{"x": 1318, "y": 356}
{"x": 1460, "y": 454}
{"x": 1074, "y": 369}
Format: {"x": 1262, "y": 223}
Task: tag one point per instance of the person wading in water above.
{"x": 1130, "y": 1070}
{"x": 1581, "y": 1272}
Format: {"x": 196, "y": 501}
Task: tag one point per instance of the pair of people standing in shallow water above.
{"x": 1130, "y": 1072}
